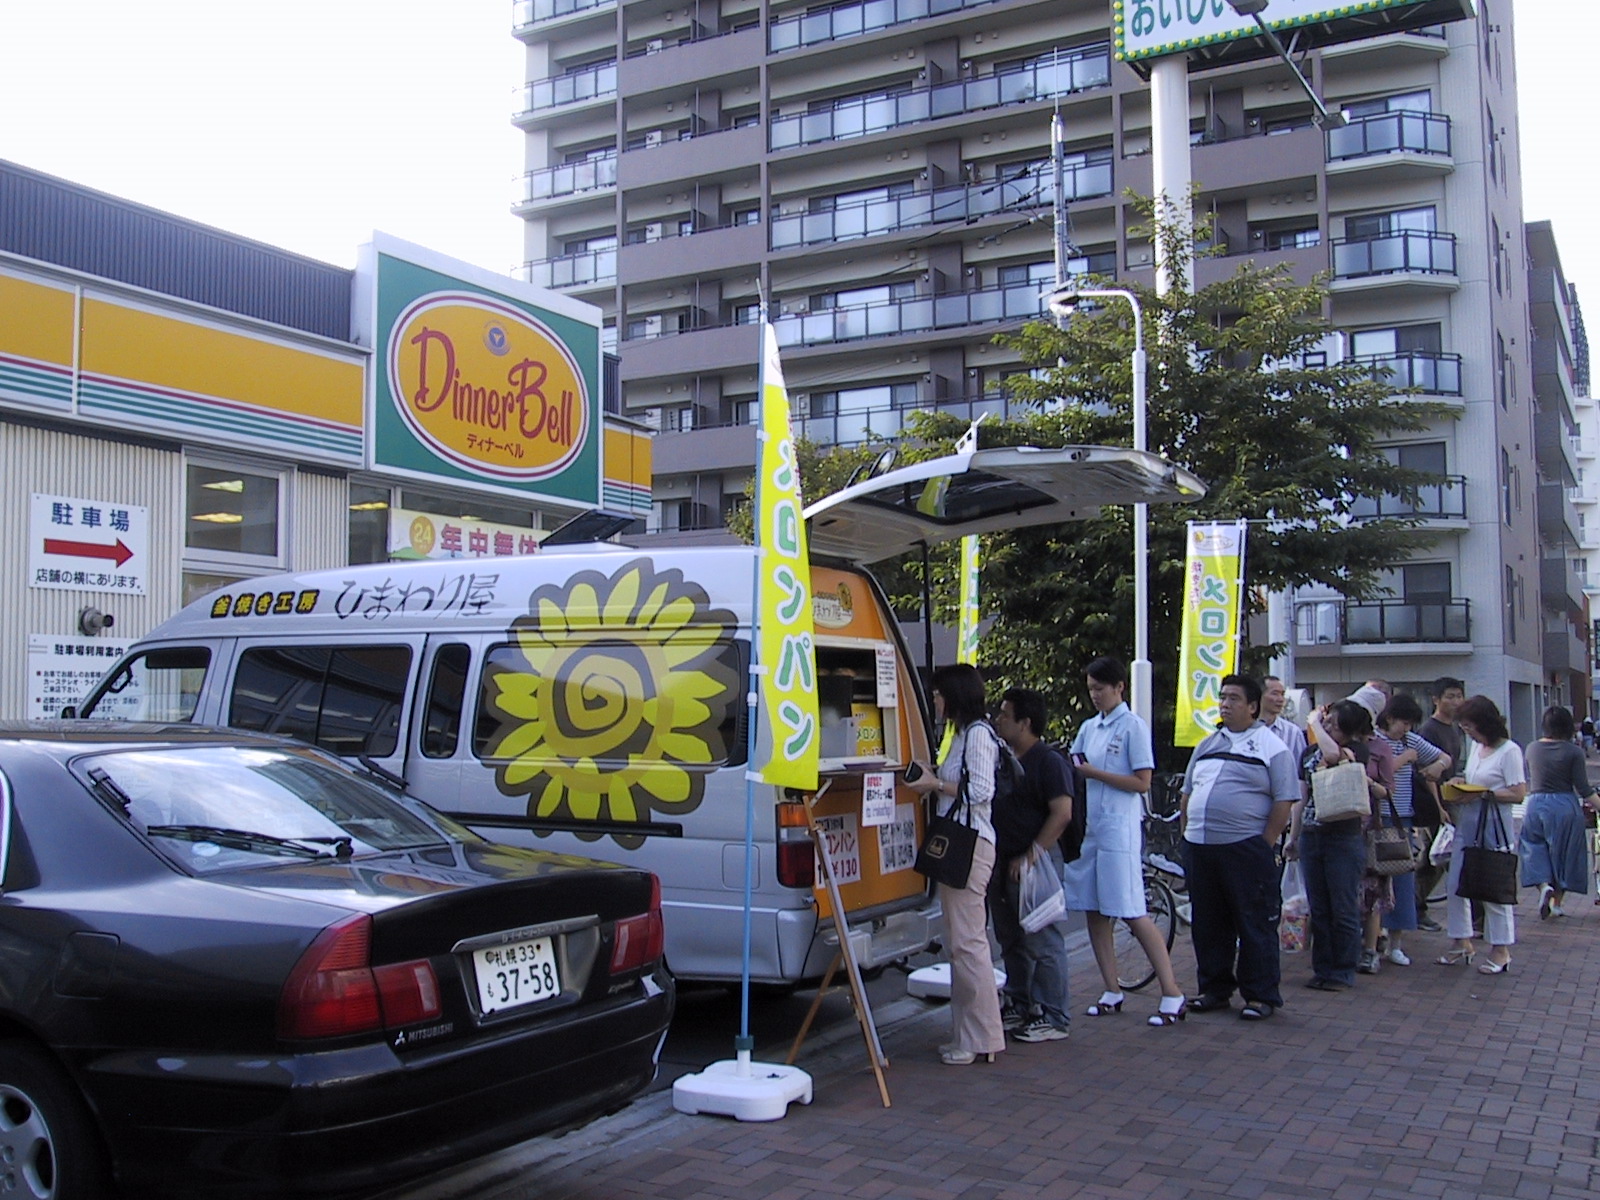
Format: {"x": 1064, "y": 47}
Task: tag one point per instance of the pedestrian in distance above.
{"x": 1587, "y": 735}
{"x": 1494, "y": 769}
{"x": 976, "y": 747}
{"x": 1553, "y": 847}
{"x": 1028, "y": 828}
{"x": 1113, "y": 752}
{"x": 1237, "y": 793}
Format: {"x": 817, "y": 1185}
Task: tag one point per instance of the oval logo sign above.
{"x": 487, "y": 387}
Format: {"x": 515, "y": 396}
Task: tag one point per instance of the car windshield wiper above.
{"x": 244, "y": 839}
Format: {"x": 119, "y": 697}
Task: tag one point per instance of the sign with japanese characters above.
{"x": 414, "y": 535}
{"x": 1213, "y": 589}
{"x": 877, "y": 798}
{"x": 76, "y": 544}
{"x": 480, "y": 379}
{"x": 61, "y": 670}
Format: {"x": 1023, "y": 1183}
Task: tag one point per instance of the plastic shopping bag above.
{"x": 1040, "y": 900}
{"x": 1296, "y": 913}
{"x": 1439, "y": 852}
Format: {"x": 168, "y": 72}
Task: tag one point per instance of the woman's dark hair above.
{"x": 1353, "y": 719}
{"x": 1402, "y": 708}
{"x": 962, "y": 689}
{"x": 1480, "y": 712}
{"x": 1557, "y": 723}
{"x": 1108, "y": 670}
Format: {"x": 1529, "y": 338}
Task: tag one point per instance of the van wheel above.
{"x": 49, "y": 1146}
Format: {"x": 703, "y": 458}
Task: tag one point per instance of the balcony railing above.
{"x": 1379, "y": 622}
{"x": 808, "y": 29}
{"x": 910, "y": 316}
{"x": 1427, "y": 371}
{"x": 869, "y": 218}
{"x": 592, "y": 83}
{"x": 1386, "y": 133}
{"x": 852, "y": 427}
{"x": 569, "y": 179}
{"x": 1075, "y": 72}
{"x": 535, "y": 12}
{"x": 1420, "y": 251}
{"x": 572, "y": 270}
{"x": 1440, "y": 501}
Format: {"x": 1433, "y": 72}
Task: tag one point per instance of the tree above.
{"x": 1237, "y": 395}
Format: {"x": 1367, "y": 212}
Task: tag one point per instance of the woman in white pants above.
{"x": 1494, "y": 764}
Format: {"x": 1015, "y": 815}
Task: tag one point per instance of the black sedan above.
{"x": 230, "y": 965}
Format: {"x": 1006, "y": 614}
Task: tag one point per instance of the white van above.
{"x": 592, "y": 699}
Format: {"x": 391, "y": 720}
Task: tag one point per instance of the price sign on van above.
{"x": 877, "y": 798}
{"x": 844, "y": 847}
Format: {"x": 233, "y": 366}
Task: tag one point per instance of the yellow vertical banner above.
{"x": 967, "y": 626}
{"x": 1213, "y": 589}
{"x": 788, "y": 729}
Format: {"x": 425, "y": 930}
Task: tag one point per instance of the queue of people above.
{"x": 1441, "y": 788}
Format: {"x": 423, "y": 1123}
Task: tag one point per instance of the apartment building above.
{"x": 879, "y": 171}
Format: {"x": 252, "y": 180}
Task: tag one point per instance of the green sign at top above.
{"x": 1214, "y": 34}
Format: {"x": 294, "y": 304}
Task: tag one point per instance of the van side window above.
{"x": 158, "y": 685}
{"x": 346, "y": 700}
{"x": 447, "y": 691}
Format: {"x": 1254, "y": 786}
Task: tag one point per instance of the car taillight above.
{"x": 334, "y": 990}
{"x": 797, "y": 855}
{"x": 640, "y": 940}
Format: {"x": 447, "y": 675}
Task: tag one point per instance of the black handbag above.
{"x": 945, "y": 855}
{"x": 1488, "y": 875}
{"x": 1390, "y": 848}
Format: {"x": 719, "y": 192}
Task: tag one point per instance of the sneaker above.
{"x": 1040, "y": 1031}
{"x": 1013, "y": 1018}
{"x": 1429, "y": 925}
{"x": 1399, "y": 957}
{"x": 1369, "y": 962}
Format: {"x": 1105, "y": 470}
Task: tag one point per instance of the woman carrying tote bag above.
{"x": 1554, "y": 842}
{"x": 1495, "y": 771}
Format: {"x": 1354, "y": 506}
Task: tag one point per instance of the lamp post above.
{"x": 1062, "y": 303}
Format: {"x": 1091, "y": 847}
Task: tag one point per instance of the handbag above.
{"x": 1488, "y": 874}
{"x": 1340, "y": 792}
{"x": 945, "y": 855}
{"x": 1390, "y": 850}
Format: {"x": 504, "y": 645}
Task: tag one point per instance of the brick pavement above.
{"x": 1424, "y": 1081}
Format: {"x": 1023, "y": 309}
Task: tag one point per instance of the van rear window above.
{"x": 345, "y": 699}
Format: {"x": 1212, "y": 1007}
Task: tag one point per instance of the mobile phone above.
{"x": 1079, "y": 758}
{"x": 913, "y": 773}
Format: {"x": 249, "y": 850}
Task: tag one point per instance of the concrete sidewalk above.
{"x": 1424, "y": 1081}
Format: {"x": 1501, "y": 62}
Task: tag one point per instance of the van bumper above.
{"x": 876, "y": 939}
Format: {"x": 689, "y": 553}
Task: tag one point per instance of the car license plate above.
{"x": 516, "y": 973}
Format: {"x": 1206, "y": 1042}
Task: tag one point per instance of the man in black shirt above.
{"x": 1442, "y": 731}
{"x": 1027, "y": 829}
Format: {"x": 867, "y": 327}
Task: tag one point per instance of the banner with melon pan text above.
{"x": 788, "y": 727}
{"x": 1213, "y": 597}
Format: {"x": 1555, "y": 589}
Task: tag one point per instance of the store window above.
{"x": 232, "y": 512}
{"x": 369, "y": 523}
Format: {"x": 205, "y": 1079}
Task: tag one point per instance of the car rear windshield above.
{"x": 216, "y": 807}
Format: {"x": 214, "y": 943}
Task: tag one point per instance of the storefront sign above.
{"x": 83, "y": 545}
{"x": 414, "y": 535}
{"x": 61, "y": 670}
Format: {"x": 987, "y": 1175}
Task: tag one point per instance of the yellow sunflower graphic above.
{"x": 611, "y": 698}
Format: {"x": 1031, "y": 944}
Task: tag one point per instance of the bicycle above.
{"x": 1162, "y": 862}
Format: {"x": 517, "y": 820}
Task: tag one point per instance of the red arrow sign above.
{"x": 118, "y": 553}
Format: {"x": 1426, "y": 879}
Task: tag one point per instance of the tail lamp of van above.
{"x": 640, "y": 940}
{"x": 334, "y": 990}
{"x": 797, "y": 856}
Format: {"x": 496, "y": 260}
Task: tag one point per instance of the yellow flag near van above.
{"x": 788, "y": 727}
{"x": 1213, "y": 589}
{"x": 967, "y": 626}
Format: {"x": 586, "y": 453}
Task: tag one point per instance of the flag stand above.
{"x": 847, "y": 957}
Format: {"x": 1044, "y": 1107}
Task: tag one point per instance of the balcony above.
{"x": 568, "y": 179}
{"x": 584, "y": 86}
{"x": 1392, "y": 146}
{"x": 1552, "y": 445}
{"x": 525, "y": 14}
{"x": 972, "y": 202}
{"x": 1558, "y": 519}
{"x": 855, "y": 426}
{"x": 856, "y": 117}
{"x": 922, "y": 314}
{"x": 1438, "y": 502}
{"x": 1427, "y": 371}
{"x": 812, "y": 28}
{"x": 1561, "y": 586}
{"x": 1564, "y": 653}
{"x": 1410, "y": 259}
{"x": 1327, "y": 627}
{"x": 573, "y": 270}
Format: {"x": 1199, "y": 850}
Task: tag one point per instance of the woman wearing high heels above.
{"x": 1553, "y": 845}
{"x": 1494, "y": 770}
{"x": 1106, "y": 883}
{"x": 974, "y": 999}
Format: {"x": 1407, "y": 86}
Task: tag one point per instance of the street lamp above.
{"x": 1063, "y": 301}
{"x": 1253, "y": 9}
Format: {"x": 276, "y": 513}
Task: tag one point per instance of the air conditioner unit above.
{"x": 653, "y": 138}
{"x": 1140, "y": 256}
{"x": 652, "y": 233}
{"x": 655, "y": 46}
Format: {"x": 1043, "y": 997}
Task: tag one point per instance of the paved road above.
{"x": 1425, "y": 1081}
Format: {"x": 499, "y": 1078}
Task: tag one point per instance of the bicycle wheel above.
{"x": 1134, "y": 969}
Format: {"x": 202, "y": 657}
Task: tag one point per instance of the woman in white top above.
{"x": 1494, "y": 763}
{"x": 974, "y": 999}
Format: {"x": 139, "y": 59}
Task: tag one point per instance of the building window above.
{"x": 1488, "y": 114}
{"x": 1505, "y": 486}
{"x": 369, "y": 523}
{"x": 233, "y": 513}
{"x": 1511, "y": 607}
{"x": 1379, "y": 225}
{"x": 1504, "y": 368}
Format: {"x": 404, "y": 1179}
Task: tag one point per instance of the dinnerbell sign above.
{"x": 478, "y": 378}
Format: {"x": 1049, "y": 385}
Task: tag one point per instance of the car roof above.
{"x": 72, "y": 736}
